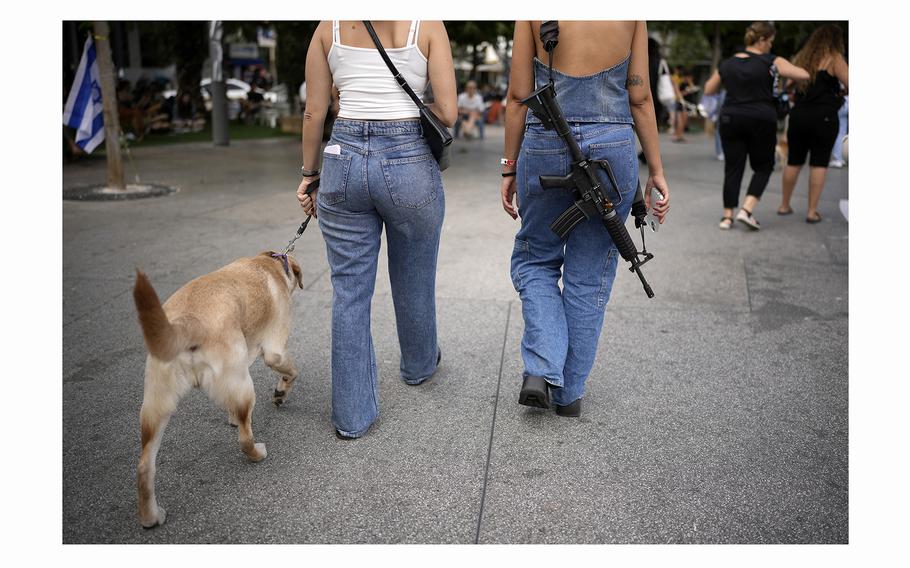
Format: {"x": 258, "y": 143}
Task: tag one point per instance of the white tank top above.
{"x": 367, "y": 90}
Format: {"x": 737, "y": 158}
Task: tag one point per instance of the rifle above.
{"x": 591, "y": 199}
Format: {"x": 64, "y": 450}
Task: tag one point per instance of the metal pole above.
{"x": 220, "y": 135}
{"x": 109, "y": 103}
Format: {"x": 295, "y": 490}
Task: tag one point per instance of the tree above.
{"x": 293, "y": 42}
{"x": 473, "y": 33}
{"x": 190, "y": 49}
{"x": 109, "y": 101}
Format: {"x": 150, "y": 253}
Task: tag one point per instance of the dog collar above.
{"x": 284, "y": 261}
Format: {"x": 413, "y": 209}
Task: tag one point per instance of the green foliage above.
{"x": 689, "y": 41}
{"x": 190, "y": 49}
{"x": 475, "y": 32}
{"x": 465, "y": 33}
{"x": 290, "y": 56}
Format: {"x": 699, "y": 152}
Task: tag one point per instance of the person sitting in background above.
{"x": 470, "y": 112}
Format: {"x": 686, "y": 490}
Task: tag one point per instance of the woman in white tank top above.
{"x": 377, "y": 170}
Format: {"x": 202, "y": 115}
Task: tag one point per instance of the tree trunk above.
{"x": 109, "y": 103}
{"x": 475, "y": 61}
{"x": 220, "y": 135}
{"x": 715, "y": 56}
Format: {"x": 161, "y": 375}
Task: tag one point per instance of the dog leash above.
{"x": 290, "y": 248}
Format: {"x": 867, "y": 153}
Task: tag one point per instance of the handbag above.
{"x": 666, "y": 94}
{"x": 781, "y": 98}
{"x": 435, "y": 132}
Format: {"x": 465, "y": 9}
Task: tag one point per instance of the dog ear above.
{"x": 295, "y": 268}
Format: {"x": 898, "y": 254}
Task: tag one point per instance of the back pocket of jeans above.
{"x": 334, "y": 179}
{"x": 413, "y": 181}
{"x": 621, "y": 157}
{"x": 548, "y": 162}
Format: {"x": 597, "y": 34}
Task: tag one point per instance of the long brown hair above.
{"x": 824, "y": 42}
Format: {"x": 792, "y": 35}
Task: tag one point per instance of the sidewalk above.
{"x": 716, "y": 411}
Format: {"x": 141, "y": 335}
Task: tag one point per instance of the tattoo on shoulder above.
{"x": 634, "y": 81}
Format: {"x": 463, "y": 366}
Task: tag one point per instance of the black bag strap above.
{"x": 385, "y": 57}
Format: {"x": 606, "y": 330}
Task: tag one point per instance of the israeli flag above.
{"x": 83, "y": 110}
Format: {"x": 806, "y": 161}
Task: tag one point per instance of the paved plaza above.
{"x": 716, "y": 412}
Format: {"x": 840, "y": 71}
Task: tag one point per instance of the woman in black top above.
{"x": 813, "y": 121}
{"x": 748, "y": 120}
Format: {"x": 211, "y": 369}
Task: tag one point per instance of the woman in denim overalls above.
{"x": 377, "y": 171}
{"x": 601, "y": 76}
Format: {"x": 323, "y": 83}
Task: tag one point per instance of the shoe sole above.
{"x": 748, "y": 224}
{"x": 534, "y": 393}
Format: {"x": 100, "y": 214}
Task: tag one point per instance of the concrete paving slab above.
{"x": 417, "y": 477}
{"x": 674, "y": 446}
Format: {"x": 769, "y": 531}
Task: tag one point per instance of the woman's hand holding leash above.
{"x": 307, "y": 198}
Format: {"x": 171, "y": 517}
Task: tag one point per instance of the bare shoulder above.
{"x": 323, "y": 33}
{"x": 433, "y": 29}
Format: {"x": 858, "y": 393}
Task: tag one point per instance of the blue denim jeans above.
{"x": 383, "y": 175}
{"x": 562, "y": 326}
{"x": 843, "y": 116}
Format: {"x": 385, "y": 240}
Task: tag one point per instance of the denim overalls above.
{"x": 562, "y": 326}
{"x": 377, "y": 173}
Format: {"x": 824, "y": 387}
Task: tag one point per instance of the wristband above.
{"x": 508, "y": 174}
{"x": 308, "y": 173}
{"x": 507, "y": 162}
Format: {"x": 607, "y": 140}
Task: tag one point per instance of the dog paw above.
{"x": 258, "y": 453}
{"x": 279, "y": 396}
{"x": 158, "y": 519}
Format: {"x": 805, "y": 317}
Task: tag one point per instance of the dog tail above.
{"x": 164, "y": 339}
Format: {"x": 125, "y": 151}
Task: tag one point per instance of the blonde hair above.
{"x": 824, "y": 42}
{"x": 758, "y": 31}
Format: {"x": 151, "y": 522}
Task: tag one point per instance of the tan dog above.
{"x": 207, "y": 335}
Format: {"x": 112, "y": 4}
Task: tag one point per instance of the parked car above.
{"x": 236, "y": 90}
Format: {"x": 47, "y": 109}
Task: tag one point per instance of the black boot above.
{"x": 534, "y": 392}
{"x": 572, "y": 410}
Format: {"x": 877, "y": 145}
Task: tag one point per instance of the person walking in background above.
{"x": 748, "y": 119}
{"x": 470, "y": 112}
{"x": 653, "y": 76}
{"x": 837, "y": 153}
{"x": 813, "y": 126}
{"x": 602, "y": 88}
{"x": 377, "y": 170}
{"x": 681, "y": 83}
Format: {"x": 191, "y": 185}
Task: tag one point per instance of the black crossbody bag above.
{"x": 437, "y": 135}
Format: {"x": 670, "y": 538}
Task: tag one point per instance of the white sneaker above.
{"x": 726, "y": 223}
{"x": 746, "y": 218}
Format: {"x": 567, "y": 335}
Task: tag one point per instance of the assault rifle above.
{"x": 591, "y": 198}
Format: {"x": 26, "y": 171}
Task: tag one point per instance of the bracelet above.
{"x": 308, "y": 173}
{"x": 507, "y": 162}
{"x": 508, "y": 174}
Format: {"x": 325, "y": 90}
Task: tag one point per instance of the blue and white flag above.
{"x": 83, "y": 110}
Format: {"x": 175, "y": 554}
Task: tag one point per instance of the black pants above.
{"x": 811, "y": 130}
{"x": 743, "y": 136}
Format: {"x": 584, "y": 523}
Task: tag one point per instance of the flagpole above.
{"x": 109, "y": 102}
